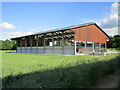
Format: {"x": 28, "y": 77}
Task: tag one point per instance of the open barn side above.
{"x": 84, "y": 39}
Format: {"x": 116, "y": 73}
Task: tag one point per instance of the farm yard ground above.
{"x": 45, "y": 71}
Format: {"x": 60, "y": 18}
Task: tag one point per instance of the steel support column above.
{"x": 37, "y": 43}
{"x": 63, "y": 41}
{"x": 85, "y": 47}
{"x": 31, "y": 43}
{"x": 99, "y": 47}
{"x": 106, "y": 47}
{"x": 93, "y": 47}
{"x": 44, "y": 42}
{"x": 25, "y": 44}
{"x": 52, "y": 40}
{"x": 21, "y": 45}
{"x": 75, "y": 46}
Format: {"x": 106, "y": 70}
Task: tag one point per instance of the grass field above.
{"x": 37, "y": 71}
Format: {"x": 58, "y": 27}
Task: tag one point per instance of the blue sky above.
{"x": 28, "y": 17}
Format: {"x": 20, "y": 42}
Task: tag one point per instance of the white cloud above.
{"x": 8, "y": 35}
{"x": 111, "y": 31}
{"x": 110, "y": 23}
{"x": 17, "y": 34}
{"x": 112, "y": 20}
{"x": 6, "y": 25}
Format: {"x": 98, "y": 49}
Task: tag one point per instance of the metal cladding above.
{"x": 90, "y": 33}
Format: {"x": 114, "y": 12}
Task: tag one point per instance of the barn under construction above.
{"x": 74, "y": 40}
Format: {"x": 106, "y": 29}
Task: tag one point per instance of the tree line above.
{"x": 113, "y": 42}
{"x": 7, "y": 45}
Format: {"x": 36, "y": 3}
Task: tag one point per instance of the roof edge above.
{"x": 102, "y": 30}
{"x": 61, "y": 29}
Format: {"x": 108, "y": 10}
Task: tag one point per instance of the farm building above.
{"x": 79, "y": 39}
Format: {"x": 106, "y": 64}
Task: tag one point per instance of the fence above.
{"x": 66, "y": 50}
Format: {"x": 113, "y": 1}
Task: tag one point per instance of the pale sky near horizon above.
{"x": 23, "y": 18}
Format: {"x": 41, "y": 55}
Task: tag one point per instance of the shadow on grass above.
{"x": 79, "y": 76}
{"x": 10, "y": 52}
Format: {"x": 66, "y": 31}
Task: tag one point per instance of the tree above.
{"x": 117, "y": 41}
{"x": 114, "y": 42}
{"x": 7, "y": 45}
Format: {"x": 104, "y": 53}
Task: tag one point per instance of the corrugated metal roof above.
{"x": 66, "y": 28}
{"x": 59, "y": 29}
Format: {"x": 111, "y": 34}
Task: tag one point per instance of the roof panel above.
{"x": 55, "y": 30}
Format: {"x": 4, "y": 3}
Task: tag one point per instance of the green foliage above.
{"x": 114, "y": 42}
{"x": 55, "y": 71}
{"x": 7, "y": 45}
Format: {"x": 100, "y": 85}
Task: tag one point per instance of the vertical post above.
{"x": 53, "y": 44}
{"x": 93, "y": 47}
{"x": 52, "y": 40}
{"x": 44, "y": 43}
{"x": 75, "y": 46}
{"x": 21, "y": 45}
{"x": 44, "y": 40}
{"x": 63, "y": 41}
{"x": 25, "y": 45}
{"x": 31, "y": 43}
{"x": 85, "y": 47}
{"x": 37, "y": 43}
{"x": 106, "y": 47}
{"x": 100, "y": 47}
{"x": 16, "y": 45}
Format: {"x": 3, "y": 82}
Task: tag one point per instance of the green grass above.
{"x": 31, "y": 70}
{"x": 14, "y": 63}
